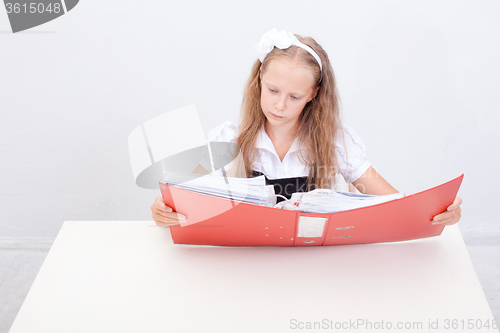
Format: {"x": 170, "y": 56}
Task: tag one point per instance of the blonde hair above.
{"x": 319, "y": 121}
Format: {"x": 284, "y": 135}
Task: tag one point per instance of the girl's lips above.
{"x": 276, "y": 116}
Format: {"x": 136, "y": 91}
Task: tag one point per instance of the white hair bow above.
{"x": 282, "y": 40}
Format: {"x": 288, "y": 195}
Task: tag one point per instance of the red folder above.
{"x": 225, "y": 222}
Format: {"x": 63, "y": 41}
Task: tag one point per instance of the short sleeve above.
{"x": 225, "y": 132}
{"x": 351, "y": 155}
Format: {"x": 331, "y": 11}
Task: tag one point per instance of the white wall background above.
{"x": 419, "y": 81}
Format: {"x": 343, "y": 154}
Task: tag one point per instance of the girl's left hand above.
{"x": 451, "y": 215}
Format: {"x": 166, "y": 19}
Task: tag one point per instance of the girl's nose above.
{"x": 280, "y": 104}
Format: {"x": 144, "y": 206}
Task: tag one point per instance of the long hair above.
{"x": 319, "y": 121}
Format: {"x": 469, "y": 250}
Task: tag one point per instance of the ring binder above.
{"x": 253, "y": 225}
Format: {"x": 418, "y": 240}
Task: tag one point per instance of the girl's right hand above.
{"x": 163, "y": 215}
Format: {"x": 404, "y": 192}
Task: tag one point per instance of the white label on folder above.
{"x": 311, "y": 226}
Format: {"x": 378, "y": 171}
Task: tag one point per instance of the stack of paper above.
{"x": 248, "y": 190}
{"x": 330, "y": 201}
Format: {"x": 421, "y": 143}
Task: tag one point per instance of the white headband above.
{"x": 282, "y": 40}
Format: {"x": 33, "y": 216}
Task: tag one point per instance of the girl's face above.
{"x": 286, "y": 88}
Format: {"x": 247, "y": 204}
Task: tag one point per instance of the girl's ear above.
{"x": 315, "y": 92}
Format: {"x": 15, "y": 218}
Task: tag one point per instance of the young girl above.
{"x": 290, "y": 128}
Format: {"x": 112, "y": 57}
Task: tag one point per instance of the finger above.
{"x": 164, "y": 215}
{"x": 447, "y": 219}
{"x": 180, "y": 217}
{"x": 158, "y": 208}
{"x": 456, "y": 204}
{"x": 174, "y": 216}
{"x": 167, "y": 223}
{"x": 448, "y": 213}
{"x": 159, "y": 204}
{"x": 444, "y": 216}
{"x": 163, "y": 212}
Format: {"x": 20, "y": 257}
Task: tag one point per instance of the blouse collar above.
{"x": 264, "y": 142}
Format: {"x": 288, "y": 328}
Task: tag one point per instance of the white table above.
{"x": 128, "y": 276}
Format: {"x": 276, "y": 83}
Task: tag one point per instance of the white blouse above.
{"x": 351, "y": 165}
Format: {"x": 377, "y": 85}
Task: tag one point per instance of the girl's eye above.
{"x": 295, "y": 97}
{"x": 272, "y": 90}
